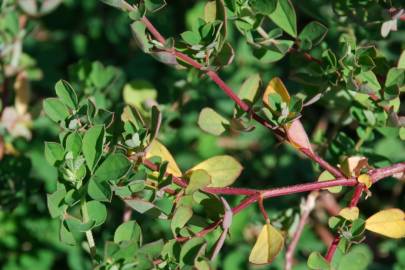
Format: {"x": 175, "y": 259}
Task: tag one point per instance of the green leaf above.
{"x": 199, "y": 179}
{"x": 274, "y": 52}
{"x": 223, "y": 170}
{"x": 395, "y": 77}
{"x": 284, "y": 16}
{"x": 317, "y": 261}
{"x": 154, "y": 5}
{"x": 156, "y": 120}
{"x": 248, "y": 92}
{"x": 74, "y": 143}
{"x": 101, "y": 76}
{"x": 113, "y": 168}
{"x": 368, "y": 82}
{"x": 314, "y": 32}
{"x": 402, "y": 133}
{"x": 358, "y": 258}
{"x": 128, "y": 231}
{"x": 358, "y": 227}
{"x": 401, "y": 61}
{"x": 212, "y": 122}
{"x": 66, "y": 94}
{"x": 152, "y": 250}
{"x": 93, "y": 142}
{"x": 191, "y": 37}
{"x": 264, "y": 7}
{"x": 140, "y": 36}
{"x": 145, "y": 207}
{"x": 190, "y": 251}
{"x": 54, "y": 202}
{"x": 100, "y": 191}
{"x": 114, "y": 3}
{"x": 180, "y": 218}
{"x": 54, "y": 152}
{"x": 97, "y": 212}
{"x": 55, "y": 109}
{"x": 76, "y": 225}
{"x": 66, "y": 236}
{"x": 103, "y": 117}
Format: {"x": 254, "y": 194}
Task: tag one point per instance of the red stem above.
{"x": 353, "y": 202}
{"x": 376, "y": 175}
{"x": 228, "y": 91}
{"x": 263, "y": 210}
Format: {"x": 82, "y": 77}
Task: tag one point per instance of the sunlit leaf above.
{"x": 276, "y": 86}
{"x": 268, "y": 245}
{"x": 349, "y": 213}
{"x": 390, "y": 223}
{"x": 223, "y": 170}
{"x": 159, "y": 150}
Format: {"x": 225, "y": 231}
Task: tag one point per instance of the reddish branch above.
{"x": 229, "y": 92}
{"x": 255, "y": 195}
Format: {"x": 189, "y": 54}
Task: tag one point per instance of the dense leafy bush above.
{"x": 256, "y": 99}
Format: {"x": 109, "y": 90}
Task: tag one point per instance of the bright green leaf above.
{"x": 114, "y": 167}
{"x": 55, "y": 109}
{"x": 317, "y": 261}
{"x": 54, "y": 202}
{"x": 74, "y": 143}
{"x": 284, "y": 16}
{"x": 97, "y": 212}
{"x": 128, "y": 231}
{"x": 66, "y": 94}
{"x": 54, "y": 152}
{"x": 93, "y": 142}
{"x": 180, "y": 218}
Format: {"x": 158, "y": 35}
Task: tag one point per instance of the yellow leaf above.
{"x": 223, "y": 170}
{"x": 352, "y": 166}
{"x": 268, "y": 245}
{"x": 390, "y": 223}
{"x": 365, "y": 179}
{"x": 349, "y": 213}
{"x": 159, "y": 150}
{"x": 22, "y": 93}
{"x": 276, "y": 86}
{"x": 297, "y": 135}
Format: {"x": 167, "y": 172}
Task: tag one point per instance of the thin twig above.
{"x": 306, "y": 209}
{"x": 280, "y": 134}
